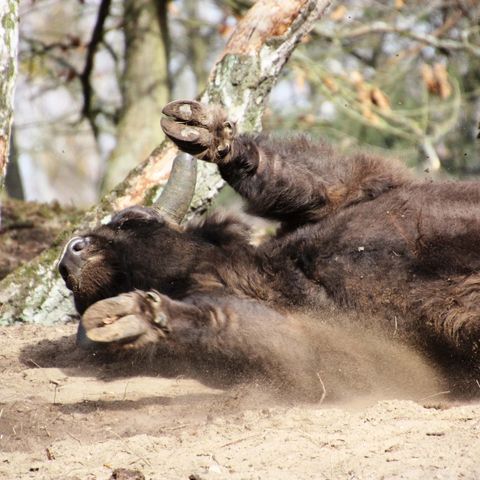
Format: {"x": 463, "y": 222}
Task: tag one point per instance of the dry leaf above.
{"x": 436, "y": 80}
{"x": 441, "y": 77}
{"x": 225, "y": 30}
{"x": 330, "y": 83}
{"x": 300, "y": 80}
{"x": 379, "y": 99}
{"x": 339, "y": 13}
{"x": 356, "y": 77}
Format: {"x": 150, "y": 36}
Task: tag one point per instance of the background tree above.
{"x": 145, "y": 87}
{"x": 8, "y": 69}
{"x": 398, "y": 76}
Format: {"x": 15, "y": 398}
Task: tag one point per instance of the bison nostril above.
{"x": 72, "y": 260}
{"x": 77, "y": 245}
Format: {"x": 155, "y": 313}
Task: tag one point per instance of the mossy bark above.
{"x": 240, "y": 81}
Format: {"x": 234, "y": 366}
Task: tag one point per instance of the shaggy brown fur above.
{"x": 358, "y": 235}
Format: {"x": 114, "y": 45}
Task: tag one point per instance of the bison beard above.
{"x": 361, "y": 244}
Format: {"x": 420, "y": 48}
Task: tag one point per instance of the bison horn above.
{"x": 177, "y": 194}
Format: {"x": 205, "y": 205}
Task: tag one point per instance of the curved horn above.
{"x": 177, "y": 194}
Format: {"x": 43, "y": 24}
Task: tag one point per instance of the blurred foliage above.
{"x": 399, "y": 76}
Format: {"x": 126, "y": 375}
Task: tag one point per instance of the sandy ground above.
{"x": 65, "y": 416}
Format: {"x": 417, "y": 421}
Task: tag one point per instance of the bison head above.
{"x": 138, "y": 249}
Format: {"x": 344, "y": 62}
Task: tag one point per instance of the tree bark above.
{"x": 145, "y": 87}
{"x": 197, "y": 47}
{"x": 8, "y": 71}
{"x": 240, "y": 81}
{"x": 13, "y": 178}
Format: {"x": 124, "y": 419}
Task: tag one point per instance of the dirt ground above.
{"x": 68, "y": 415}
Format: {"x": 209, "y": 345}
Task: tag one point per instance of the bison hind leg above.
{"x": 199, "y": 129}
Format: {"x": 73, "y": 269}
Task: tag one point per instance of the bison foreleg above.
{"x": 292, "y": 180}
{"x": 240, "y": 336}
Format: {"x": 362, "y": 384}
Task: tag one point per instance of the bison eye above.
{"x": 132, "y": 224}
{"x": 134, "y": 217}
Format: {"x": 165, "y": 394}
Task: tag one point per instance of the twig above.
{"x": 95, "y": 40}
{"x": 324, "y": 390}
{"x": 176, "y": 427}
{"x": 243, "y": 439}
{"x": 446, "y": 392}
{"x": 383, "y": 27}
{"x": 55, "y": 384}
{"x": 74, "y": 437}
{"x": 50, "y": 454}
{"x": 125, "y": 391}
{"x": 33, "y": 362}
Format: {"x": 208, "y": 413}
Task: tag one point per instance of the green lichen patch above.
{"x": 8, "y": 22}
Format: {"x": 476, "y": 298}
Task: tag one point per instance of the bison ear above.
{"x": 136, "y": 215}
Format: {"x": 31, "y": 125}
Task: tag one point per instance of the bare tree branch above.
{"x": 95, "y": 41}
{"x": 426, "y": 39}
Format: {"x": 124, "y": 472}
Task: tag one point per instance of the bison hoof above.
{"x": 129, "y": 320}
{"x": 199, "y": 129}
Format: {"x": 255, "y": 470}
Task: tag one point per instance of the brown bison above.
{"x": 361, "y": 242}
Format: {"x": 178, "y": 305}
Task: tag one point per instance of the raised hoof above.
{"x": 124, "y": 329}
{"x": 131, "y": 319}
{"x": 190, "y": 139}
{"x": 189, "y": 111}
{"x": 198, "y": 129}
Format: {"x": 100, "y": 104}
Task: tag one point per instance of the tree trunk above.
{"x": 145, "y": 87}
{"x": 13, "y": 178}
{"x": 240, "y": 81}
{"x": 8, "y": 71}
{"x": 197, "y": 47}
